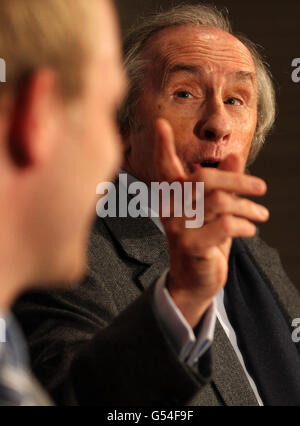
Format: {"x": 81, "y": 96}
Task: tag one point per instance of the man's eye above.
{"x": 183, "y": 94}
{"x": 233, "y": 101}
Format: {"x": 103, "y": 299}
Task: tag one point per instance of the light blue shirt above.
{"x": 17, "y": 386}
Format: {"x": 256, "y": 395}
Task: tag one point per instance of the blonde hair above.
{"x": 46, "y": 33}
{"x": 193, "y": 15}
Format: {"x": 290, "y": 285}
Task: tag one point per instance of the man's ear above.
{"x": 33, "y": 118}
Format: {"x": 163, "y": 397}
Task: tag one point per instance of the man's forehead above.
{"x": 197, "y": 44}
{"x": 199, "y": 71}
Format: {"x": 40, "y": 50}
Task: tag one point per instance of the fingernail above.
{"x": 263, "y": 212}
{"x": 259, "y": 185}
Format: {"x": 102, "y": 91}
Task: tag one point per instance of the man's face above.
{"x": 88, "y": 151}
{"x": 203, "y": 81}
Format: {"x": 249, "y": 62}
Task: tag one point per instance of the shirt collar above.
{"x": 12, "y": 341}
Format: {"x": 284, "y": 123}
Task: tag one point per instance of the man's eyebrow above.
{"x": 191, "y": 69}
{"x": 194, "y": 69}
{"x": 198, "y": 70}
{"x": 243, "y": 76}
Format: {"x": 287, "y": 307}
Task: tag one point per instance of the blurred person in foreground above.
{"x": 153, "y": 323}
{"x": 58, "y": 139}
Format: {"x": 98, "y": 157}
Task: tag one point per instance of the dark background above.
{"x": 276, "y": 27}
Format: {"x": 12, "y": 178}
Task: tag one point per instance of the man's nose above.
{"x": 215, "y": 125}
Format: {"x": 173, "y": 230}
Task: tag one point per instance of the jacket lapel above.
{"x": 141, "y": 241}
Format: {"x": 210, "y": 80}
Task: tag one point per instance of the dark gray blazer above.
{"x": 103, "y": 343}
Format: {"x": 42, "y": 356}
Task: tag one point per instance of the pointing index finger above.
{"x": 168, "y": 165}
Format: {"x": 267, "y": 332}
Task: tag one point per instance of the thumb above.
{"x": 167, "y": 163}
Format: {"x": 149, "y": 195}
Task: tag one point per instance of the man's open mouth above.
{"x": 210, "y": 164}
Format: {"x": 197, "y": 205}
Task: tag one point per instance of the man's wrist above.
{"x": 192, "y": 306}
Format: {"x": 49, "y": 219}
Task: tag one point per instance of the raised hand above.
{"x": 199, "y": 256}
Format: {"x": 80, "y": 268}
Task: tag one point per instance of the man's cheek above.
{"x": 241, "y": 147}
{"x": 243, "y": 133}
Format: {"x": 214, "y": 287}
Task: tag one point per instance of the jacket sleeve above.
{"x": 86, "y": 354}
{"x": 132, "y": 362}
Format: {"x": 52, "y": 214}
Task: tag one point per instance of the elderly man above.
{"x": 200, "y": 105}
{"x": 58, "y": 137}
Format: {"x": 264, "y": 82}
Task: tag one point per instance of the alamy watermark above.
{"x": 296, "y": 72}
{"x": 2, "y": 71}
{"x": 2, "y": 330}
{"x": 176, "y": 199}
{"x": 296, "y": 332}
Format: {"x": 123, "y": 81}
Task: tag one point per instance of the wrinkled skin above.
{"x": 203, "y": 82}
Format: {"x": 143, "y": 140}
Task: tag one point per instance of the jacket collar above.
{"x": 139, "y": 238}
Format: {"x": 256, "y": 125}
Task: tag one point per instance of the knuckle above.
{"x": 245, "y": 206}
{"x": 248, "y": 207}
{"x": 252, "y": 207}
{"x": 220, "y": 200}
{"x": 226, "y": 224}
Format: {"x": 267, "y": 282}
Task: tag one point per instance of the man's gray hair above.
{"x": 193, "y": 15}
